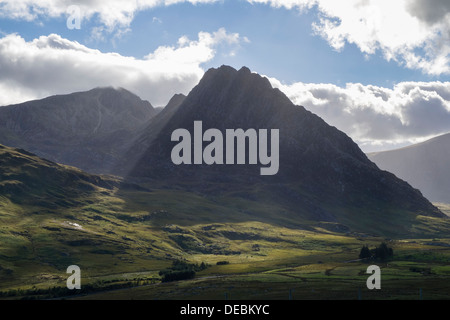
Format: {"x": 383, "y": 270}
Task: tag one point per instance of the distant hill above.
{"x": 88, "y": 130}
{"x": 425, "y": 166}
{"x": 28, "y": 180}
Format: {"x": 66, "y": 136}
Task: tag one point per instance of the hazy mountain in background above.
{"x": 323, "y": 175}
{"x": 89, "y": 130}
{"x": 425, "y": 166}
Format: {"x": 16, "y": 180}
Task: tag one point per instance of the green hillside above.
{"x": 122, "y": 235}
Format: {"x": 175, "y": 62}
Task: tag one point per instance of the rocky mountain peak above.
{"x": 318, "y": 164}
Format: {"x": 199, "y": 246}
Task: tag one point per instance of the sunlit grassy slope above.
{"x": 53, "y": 216}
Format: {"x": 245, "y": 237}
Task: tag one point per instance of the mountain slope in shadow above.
{"x": 323, "y": 175}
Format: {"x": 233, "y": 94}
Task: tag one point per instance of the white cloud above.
{"x": 195, "y": 52}
{"x": 111, "y": 14}
{"x": 414, "y": 33}
{"x": 54, "y": 65}
{"x": 377, "y": 117}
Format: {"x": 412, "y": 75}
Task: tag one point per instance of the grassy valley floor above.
{"x": 249, "y": 260}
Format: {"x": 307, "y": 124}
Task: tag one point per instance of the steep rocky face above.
{"x": 424, "y": 166}
{"x": 88, "y": 130}
{"x": 321, "y": 170}
{"x": 226, "y": 99}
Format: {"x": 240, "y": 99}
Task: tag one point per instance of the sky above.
{"x": 378, "y": 70}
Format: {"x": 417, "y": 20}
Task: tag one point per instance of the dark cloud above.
{"x": 430, "y": 12}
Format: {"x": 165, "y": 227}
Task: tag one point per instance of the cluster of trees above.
{"x": 181, "y": 270}
{"x": 381, "y": 253}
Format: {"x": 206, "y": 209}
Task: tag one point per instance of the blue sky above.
{"x": 272, "y": 32}
{"x": 368, "y": 67}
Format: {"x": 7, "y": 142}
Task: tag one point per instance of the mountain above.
{"x": 326, "y": 200}
{"x": 423, "y": 165}
{"x": 323, "y": 175}
{"x": 88, "y": 130}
